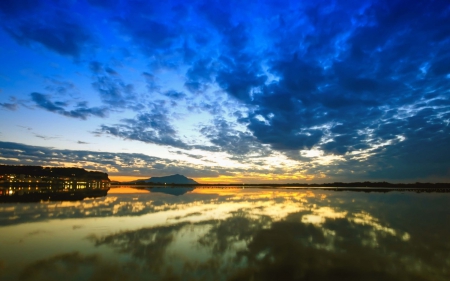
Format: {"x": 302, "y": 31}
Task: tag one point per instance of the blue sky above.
{"x": 228, "y": 91}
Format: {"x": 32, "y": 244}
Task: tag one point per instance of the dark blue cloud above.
{"x": 11, "y": 8}
{"x": 199, "y": 75}
{"x": 111, "y": 71}
{"x": 237, "y": 143}
{"x": 424, "y": 151}
{"x": 9, "y": 106}
{"x": 66, "y": 39}
{"x": 54, "y": 27}
{"x": 175, "y": 95}
{"x": 96, "y": 67}
{"x": 239, "y": 79}
{"x": 113, "y": 91}
{"x": 60, "y": 87}
{"x": 342, "y": 72}
{"x": 81, "y": 111}
{"x": 152, "y": 84}
{"x": 157, "y": 29}
{"x": 153, "y": 126}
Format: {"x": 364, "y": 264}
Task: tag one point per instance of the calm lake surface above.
{"x": 229, "y": 234}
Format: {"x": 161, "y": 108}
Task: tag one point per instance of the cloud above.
{"x": 156, "y": 127}
{"x": 223, "y": 234}
{"x": 304, "y": 251}
{"x": 45, "y": 137}
{"x": 151, "y": 81}
{"x": 422, "y": 153}
{"x": 114, "y": 92}
{"x": 68, "y": 39}
{"x": 13, "y": 8}
{"x": 232, "y": 141}
{"x": 113, "y": 163}
{"x": 339, "y": 74}
{"x": 147, "y": 244}
{"x": 157, "y": 30}
{"x": 195, "y": 156}
{"x": 149, "y": 34}
{"x": 60, "y": 87}
{"x": 55, "y": 28}
{"x": 96, "y": 67}
{"x": 174, "y": 95}
{"x": 9, "y": 106}
{"x": 75, "y": 266}
{"x": 150, "y": 127}
{"x": 199, "y": 76}
{"x": 80, "y": 111}
{"x": 240, "y": 79}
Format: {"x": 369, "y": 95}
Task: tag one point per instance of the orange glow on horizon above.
{"x": 249, "y": 178}
{"x": 126, "y": 178}
{"x": 219, "y": 179}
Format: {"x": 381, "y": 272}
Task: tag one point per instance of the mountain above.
{"x": 176, "y": 179}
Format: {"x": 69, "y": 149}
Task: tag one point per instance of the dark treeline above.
{"x": 334, "y": 184}
{"x": 53, "y": 172}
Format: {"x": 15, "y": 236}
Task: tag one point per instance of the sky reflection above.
{"x": 229, "y": 234}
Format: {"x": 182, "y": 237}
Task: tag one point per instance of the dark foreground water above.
{"x": 229, "y": 234}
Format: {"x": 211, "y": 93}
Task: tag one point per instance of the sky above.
{"x": 228, "y": 91}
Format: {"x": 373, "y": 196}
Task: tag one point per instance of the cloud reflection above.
{"x": 320, "y": 215}
{"x": 258, "y": 234}
{"x": 75, "y": 266}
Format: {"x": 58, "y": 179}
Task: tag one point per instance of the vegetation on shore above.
{"x": 52, "y": 172}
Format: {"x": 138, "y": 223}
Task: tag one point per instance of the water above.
{"x": 229, "y": 234}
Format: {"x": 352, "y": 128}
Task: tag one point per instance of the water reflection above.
{"x": 229, "y": 234}
{"x": 58, "y": 191}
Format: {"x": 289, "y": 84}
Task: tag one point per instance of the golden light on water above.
{"x": 216, "y": 223}
{"x": 125, "y": 190}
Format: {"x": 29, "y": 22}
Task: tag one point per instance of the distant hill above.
{"x": 175, "y": 179}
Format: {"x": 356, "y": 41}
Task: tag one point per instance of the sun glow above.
{"x": 269, "y": 178}
{"x": 126, "y": 178}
